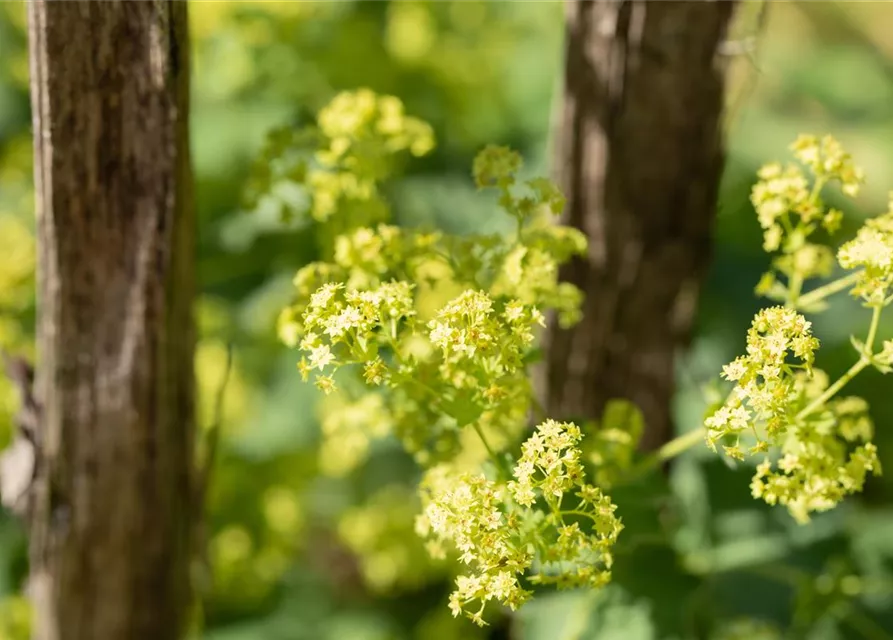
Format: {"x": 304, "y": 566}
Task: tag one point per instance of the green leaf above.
{"x": 586, "y": 615}
{"x": 463, "y": 408}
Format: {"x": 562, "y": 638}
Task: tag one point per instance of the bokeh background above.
{"x": 301, "y": 555}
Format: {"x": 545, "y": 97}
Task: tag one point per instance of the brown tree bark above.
{"x": 639, "y": 159}
{"x": 110, "y": 512}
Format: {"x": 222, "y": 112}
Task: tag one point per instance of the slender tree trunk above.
{"x": 110, "y": 508}
{"x": 640, "y": 157}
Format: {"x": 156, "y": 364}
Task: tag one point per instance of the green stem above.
{"x": 817, "y": 189}
{"x": 556, "y": 511}
{"x": 499, "y": 462}
{"x": 786, "y": 223}
{"x": 819, "y": 294}
{"x": 578, "y": 512}
{"x": 795, "y": 285}
{"x": 872, "y": 329}
{"x": 834, "y": 388}
{"x": 864, "y": 361}
{"x": 668, "y": 451}
{"x": 483, "y": 438}
{"x": 679, "y": 445}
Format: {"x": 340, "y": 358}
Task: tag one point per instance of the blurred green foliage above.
{"x": 298, "y": 555}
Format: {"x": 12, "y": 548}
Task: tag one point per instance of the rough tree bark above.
{"x": 109, "y": 515}
{"x": 639, "y": 158}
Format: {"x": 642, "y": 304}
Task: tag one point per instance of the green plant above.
{"x": 435, "y": 334}
{"x": 816, "y": 445}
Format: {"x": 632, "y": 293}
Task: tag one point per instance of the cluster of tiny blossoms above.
{"x": 364, "y": 131}
{"x": 478, "y": 344}
{"x": 499, "y": 531}
{"x": 550, "y": 470}
{"x": 823, "y": 457}
{"x": 470, "y": 512}
{"x": 468, "y": 364}
{"x": 330, "y": 171}
{"x": 346, "y": 326}
{"x": 821, "y": 446}
{"x": 817, "y": 446}
{"x": 451, "y": 383}
{"x": 528, "y": 268}
{"x": 871, "y": 251}
{"x": 473, "y": 374}
{"x": 790, "y": 210}
{"x": 765, "y": 380}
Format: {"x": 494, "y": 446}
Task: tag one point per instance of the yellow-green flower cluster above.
{"x": 363, "y": 259}
{"x": 440, "y": 370}
{"x": 828, "y": 161}
{"x": 346, "y": 326}
{"x": 331, "y": 170}
{"x": 550, "y": 470}
{"x": 527, "y": 270}
{"x": 765, "y": 382}
{"x": 790, "y": 209}
{"x": 353, "y": 118}
{"x": 366, "y": 254}
{"x": 550, "y": 464}
{"x": 821, "y": 445}
{"x": 818, "y": 446}
{"x": 822, "y": 452}
{"x": 779, "y": 193}
{"x": 364, "y": 131}
{"x": 498, "y": 529}
{"x": 468, "y": 510}
{"x": 477, "y": 343}
{"x": 772, "y": 403}
{"x": 823, "y": 457}
{"x": 872, "y": 252}
{"x": 496, "y": 166}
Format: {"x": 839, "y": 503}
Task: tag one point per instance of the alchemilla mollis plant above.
{"x": 429, "y": 338}
{"x": 814, "y": 443}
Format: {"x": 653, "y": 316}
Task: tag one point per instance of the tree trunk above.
{"x": 110, "y": 508}
{"x": 639, "y": 159}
